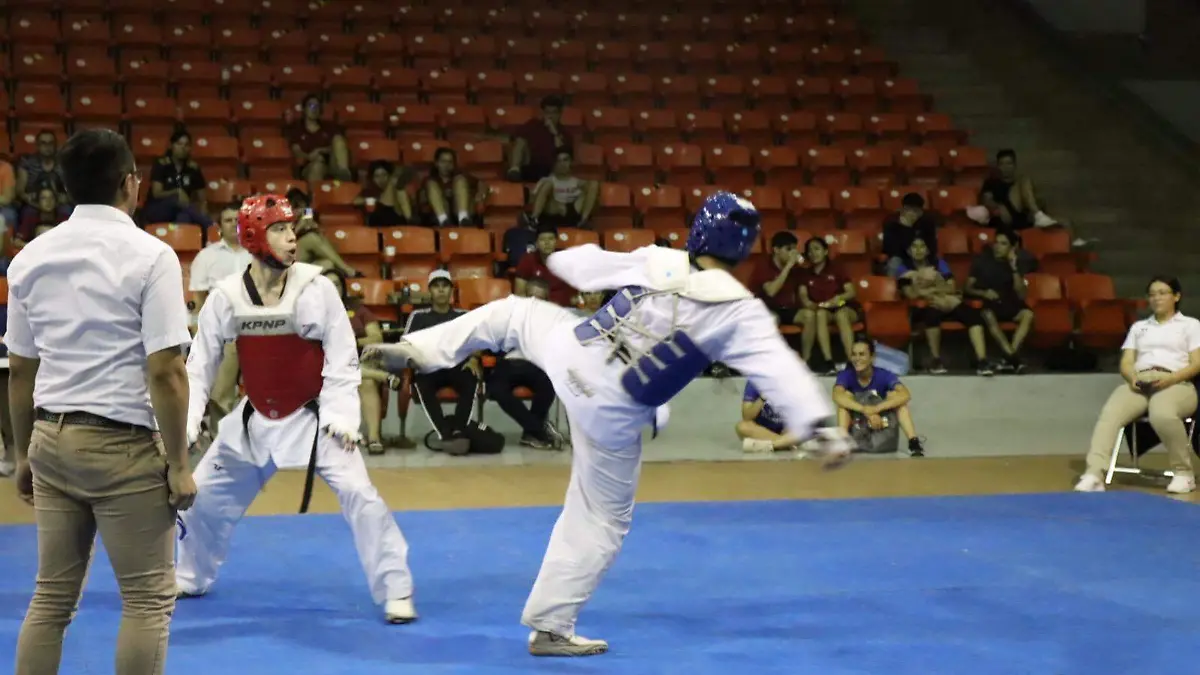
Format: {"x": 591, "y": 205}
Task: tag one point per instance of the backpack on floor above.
{"x": 874, "y": 441}
{"x": 484, "y": 439}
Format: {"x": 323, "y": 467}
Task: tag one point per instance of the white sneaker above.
{"x": 1089, "y": 483}
{"x": 7, "y": 469}
{"x": 181, "y": 592}
{"x": 1040, "y": 219}
{"x": 1182, "y": 484}
{"x": 545, "y": 643}
{"x": 832, "y": 445}
{"x": 400, "y": 611}
{"x": 755, "y": 445}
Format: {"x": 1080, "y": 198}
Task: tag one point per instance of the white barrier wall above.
{"x": 958, "y": 415}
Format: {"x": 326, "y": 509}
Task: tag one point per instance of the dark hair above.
{"x": 1009, "y": 234}
{"x": 564, "y": 151}
{"x": 94, "y": 165}
{"x": 815, "y": 240}
{"x": 913, "y": 200}
{"x": 380, "y": 164}
{"x": 178, "y": 134}
{"x": 782, "y": 239}
{"x": 863, "y": 338}
{"x": 1006, "y": 152}
{"x": 552, "y": 101}
{"x": 437, "y": 154}
{"x": 1171, "y": 282}
{"x": 547, "y": 228}
{"x": 311, "y": 97}
{"x": 297, "y": 194}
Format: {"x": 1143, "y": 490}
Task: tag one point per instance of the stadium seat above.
{"x": 627, "y": 240}
{"x": 660, "y": 206}
{"x": 477, "y": 292}
{"x": 374, "y": 294}
{"x": 464, "y": 244}
{"x": 569, "y": 237}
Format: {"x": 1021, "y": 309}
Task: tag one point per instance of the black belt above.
{"x": 87, "y": 419}
{"x": 310, "y": 473}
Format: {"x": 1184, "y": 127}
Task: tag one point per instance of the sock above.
{"x": 462, "y": 216}
{"x": 442, "y": 219}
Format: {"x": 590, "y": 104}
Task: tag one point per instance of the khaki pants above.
{"x": 87, "y": 480}
{"x": 1166, "y": 410}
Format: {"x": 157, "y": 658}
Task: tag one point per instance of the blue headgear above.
{"x": 726, "y": 228}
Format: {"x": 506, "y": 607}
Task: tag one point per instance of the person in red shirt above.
{"x": 776, "y": 279}
{"x": 318, "y": 145}
{"x": 536, "y": 144}
{"x": 826, "y": 296}
{"x": 533, "y": 266}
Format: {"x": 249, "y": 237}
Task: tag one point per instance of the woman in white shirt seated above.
{"x": 1159, "y": 361}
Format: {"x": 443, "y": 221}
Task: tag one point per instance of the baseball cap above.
{"x": 444, "y": 275}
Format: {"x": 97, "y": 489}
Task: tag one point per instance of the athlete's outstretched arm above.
{"x": 214, "y": 328}
{"x": 749, "y": 342}
{"x": 340, "y": 407}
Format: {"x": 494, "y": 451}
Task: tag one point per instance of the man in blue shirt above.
{"x": 761, "y": 427}
{"x": 860, "y": 381}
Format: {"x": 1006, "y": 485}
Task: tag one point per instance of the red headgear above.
{"x": 257, "y": 214}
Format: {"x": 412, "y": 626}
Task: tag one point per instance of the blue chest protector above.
{"x": 655, "y": 376}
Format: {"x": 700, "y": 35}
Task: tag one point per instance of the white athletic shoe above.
{"x": 400, "y": 611}
{"x": 181, "y": 592}
{"x": 545, "y": 643}
{"x": 7, "y": 469}
{"x": 1089, "y": 483}
{"x": 1182, "y": 484}
{"x": 755, "y": 445}
{"x": 832, "y": 445}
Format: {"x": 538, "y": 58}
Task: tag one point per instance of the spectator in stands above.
{"x": 826, "y": 296}
{"x": 776, "y": 279}
{"x": 318, "y": 145}
{"x": 383, "y": 198}
{"x": 1160, "y": 362}
{"x": 1010, "y": 197}
{"x": 37, "y": 220}
{"x": 40, "y": 171}
{"x": 218, "y": 260}
{"x": 567, "y": 199}
{"x": 464, "y": 379}
{"x": 533, "y": 266}
{"x": 536, "y": 143}
{"x": 870, "y": 399}
{"x": 998, "y": 278}
{"x": 8, "y": 196}
{"x": 312, "y": 246}
{"x": 367, "y": 331}
{"x": 761, "y": 427}
{"x": 514, "y": 370}
{"x": 177, "y": 187}
{"x": 928, "y": 280}
{"x": 901, "y": 228}
{"x": 447, "y": 187}
{"x": 519, "y": 241}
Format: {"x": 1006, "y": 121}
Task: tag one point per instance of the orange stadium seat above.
{"x": 627, "y": 240}
{"x": 477, "y": 292}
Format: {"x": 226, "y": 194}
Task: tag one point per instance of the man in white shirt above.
{"x": 218, "y": 260}
{"x": 97, "y": 327}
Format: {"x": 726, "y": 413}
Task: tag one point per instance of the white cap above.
{"x": 439, "y": 274}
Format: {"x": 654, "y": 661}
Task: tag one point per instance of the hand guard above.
{"x": 350, "y": 440}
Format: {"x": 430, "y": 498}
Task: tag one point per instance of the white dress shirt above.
{"x": 1163, "y": 345}
{"x": 215, "y": 262}
{"x": 92, "y": 298}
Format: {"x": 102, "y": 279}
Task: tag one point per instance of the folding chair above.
{"x": 1135, "y": 452}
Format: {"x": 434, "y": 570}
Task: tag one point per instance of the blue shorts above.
{"x": 772, "y": 425}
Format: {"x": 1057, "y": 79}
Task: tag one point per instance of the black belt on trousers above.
{"x": 310, "y": 474}
{"x": 87, "y": 419}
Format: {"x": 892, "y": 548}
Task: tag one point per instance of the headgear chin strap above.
{"x": 255, "y": 217}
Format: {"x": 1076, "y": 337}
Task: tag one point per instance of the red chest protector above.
{"x": 281, "y": 370}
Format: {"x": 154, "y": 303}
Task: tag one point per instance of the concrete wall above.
{"x": 960, "y": 416}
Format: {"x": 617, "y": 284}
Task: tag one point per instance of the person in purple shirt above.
{"x": 873, "y": 396}
{"x": 761, "y": 427}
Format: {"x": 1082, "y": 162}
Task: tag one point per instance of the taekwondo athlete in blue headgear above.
{"x": 674, "y": 313}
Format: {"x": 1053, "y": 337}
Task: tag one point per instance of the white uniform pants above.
{"x": 606, "y": 435}
{"x": 227, "y": 483}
